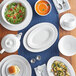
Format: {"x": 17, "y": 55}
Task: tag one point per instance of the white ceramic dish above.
{"x": 67, "y": 45}
{"x": 4, "y": 9}
{"x": 40, "y": 37}
{"x": 67, "y": 16}
{"x": 48, "y": 12}
{"x": 17, "y": 62}
{"x": 51, "y": 60}
{"x": 10, "y": 43}
{"x": 22, "y": 25}
{"x": 9, "y": 61}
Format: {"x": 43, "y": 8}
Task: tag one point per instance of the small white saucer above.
{"x": 67, "y": 15}
{"x": 18, "y": 27}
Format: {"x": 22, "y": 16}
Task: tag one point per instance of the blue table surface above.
{"x": 53, "y": 18}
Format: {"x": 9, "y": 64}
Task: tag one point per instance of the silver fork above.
{"x": 63, "y": 2}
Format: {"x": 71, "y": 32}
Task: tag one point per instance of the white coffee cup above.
{"x": 69, "y": 22}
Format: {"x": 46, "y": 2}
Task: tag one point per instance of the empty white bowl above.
{"x": 67, "y": 45}
{"x": 16, "y": 1}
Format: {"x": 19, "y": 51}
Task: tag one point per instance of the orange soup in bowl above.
{"x": 42, "y": 7}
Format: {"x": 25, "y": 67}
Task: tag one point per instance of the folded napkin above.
{"x": 41, "y": 70}
{"x": 65, "y": 6}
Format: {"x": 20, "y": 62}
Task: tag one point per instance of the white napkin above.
{"x": 65, "y": 7}
{"x": 41, "y": 70}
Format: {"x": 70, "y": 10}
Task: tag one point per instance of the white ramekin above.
{"x": 49, "y": 4}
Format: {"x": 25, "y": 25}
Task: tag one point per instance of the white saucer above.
{"x": 63, "y": 18}
{"x": 16, "y": 60}
{"x": 18, "y": 27}
{"x": 51, "y": 60}
{"x": 40, "y": 37}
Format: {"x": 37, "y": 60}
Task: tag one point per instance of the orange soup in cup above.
{"x": 42, "y": 7}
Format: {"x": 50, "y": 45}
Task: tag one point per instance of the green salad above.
{"x": 59, "y": 69}
{"x": 15, "y": 13}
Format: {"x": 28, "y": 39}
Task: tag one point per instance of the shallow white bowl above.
{"x": 16, "y": 1}
{"x": 67, "y": 45}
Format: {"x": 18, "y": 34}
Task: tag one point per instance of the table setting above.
{"x": 37, "y": 42}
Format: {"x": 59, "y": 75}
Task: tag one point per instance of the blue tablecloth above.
{"x": 52, "y": 51}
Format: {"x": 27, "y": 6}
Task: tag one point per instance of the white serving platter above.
{"x": 40, "y": 37}
{"x": 51, "y": 60}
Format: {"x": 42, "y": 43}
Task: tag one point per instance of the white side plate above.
{"x": 51, "y": 60}
{"x": 40, "y": 37}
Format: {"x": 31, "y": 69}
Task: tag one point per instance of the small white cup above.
{"x": 69, "y": 22}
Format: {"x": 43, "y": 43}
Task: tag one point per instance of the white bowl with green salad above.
{"x": 15, "y": 12}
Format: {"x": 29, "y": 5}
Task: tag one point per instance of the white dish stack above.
{"x": 24, "y": 65}
{"x": 40, "y": 37}
{"x": 25, "y": 23}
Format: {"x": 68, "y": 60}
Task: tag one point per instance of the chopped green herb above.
{"x": 43, "y": 9}
{"x": 48, "y": 5}
{"x": 37, "y": 3}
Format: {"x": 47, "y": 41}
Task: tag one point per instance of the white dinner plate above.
{"x": 40, "y": 37}
{"x": 67, "y": 15}
{"x": 25, "y": 68}
{"x": 24, "y": 24}
{"x": 51, "y": 60}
